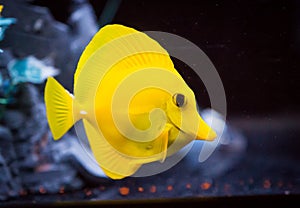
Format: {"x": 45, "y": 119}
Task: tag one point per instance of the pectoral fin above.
{"x": 157, "y": 150}
{"x": 165, "y": 140}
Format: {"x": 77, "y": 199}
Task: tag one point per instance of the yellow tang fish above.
{"x": 135, "y": 106}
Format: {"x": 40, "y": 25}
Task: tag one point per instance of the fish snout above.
{"x": 205, "y": 132}
{"x": 199, "y": 129}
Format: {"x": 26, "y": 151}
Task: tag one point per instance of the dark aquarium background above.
{"x": 255, "y": 47}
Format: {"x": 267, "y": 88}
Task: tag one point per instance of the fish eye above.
{"x": 179, "y": 100}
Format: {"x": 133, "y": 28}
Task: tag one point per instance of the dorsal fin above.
{"x": 103, "y": 36}
{"x": 118, "y": 47}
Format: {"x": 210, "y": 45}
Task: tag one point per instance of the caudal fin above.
{"x": 59, "y": 108}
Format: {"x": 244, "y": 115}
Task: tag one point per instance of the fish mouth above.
{"x": 177, "y": 127}
{"x": 204, "y": 131}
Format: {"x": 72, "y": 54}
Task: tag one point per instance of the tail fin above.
{"x": 59, "y": 108}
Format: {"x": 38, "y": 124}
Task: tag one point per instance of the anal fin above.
{"x": 113, "y": 164}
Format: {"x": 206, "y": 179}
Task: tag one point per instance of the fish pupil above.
{"x": 179, "y": 100}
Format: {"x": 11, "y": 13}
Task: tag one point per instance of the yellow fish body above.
{"x": 135, "y": 106}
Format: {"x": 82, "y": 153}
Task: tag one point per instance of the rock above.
{"x": 36, "y": 125}
{"x": 5, "y": 58}
{"x": 30, "y": 159}
{"x": 9, "y": 186}
{"x": 72, "y": 150}
{"x": 36, "y": 122}
{"x": 14, "y": 169}
{"x": 29, "y": 97}
{"x": 62, "y": 41}
{"x": 6, "y": 145}
{"x": 51, "y": 179}
{"x": 23, "y": 149}
{"x": 5, "y": 133}
{"x": 13, "y": 119}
